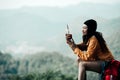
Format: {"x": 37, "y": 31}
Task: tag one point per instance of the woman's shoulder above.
{"x": 93, "y": 37}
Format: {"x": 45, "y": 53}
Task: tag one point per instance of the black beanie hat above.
{"x": 92, "y": 25}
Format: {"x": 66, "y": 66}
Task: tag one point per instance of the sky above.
{"x": 10, "y": 4}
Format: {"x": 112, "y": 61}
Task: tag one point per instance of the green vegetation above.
{"x": 49, "y": 75}
{"x": 40, "y": 66}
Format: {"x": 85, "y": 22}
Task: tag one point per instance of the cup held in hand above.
{"x": 68, "y": 36}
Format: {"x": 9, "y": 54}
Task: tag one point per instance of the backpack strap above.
{"x": 102, "y": 72}
{"x": 104, "y": 64}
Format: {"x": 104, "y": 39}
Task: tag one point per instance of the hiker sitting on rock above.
{"x": 92, "y": 52}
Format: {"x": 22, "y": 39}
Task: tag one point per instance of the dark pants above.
{"x": 84, "y": 66}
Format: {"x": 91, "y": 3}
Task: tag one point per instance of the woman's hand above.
{"x": 70, "y": 41}
{"x": 68, "y": 38}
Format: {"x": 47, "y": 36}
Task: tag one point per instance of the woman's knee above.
{"x": 82, "y": 63}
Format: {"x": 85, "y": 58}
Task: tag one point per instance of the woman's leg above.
{"x": 95, "y": 66}
{"x": 81, "y": 72}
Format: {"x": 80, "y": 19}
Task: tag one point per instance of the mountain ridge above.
{"x": 46, "y": 26}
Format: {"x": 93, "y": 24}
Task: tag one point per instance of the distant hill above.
{"x": 45, "y": 26}
{"x": 114, "y": 44}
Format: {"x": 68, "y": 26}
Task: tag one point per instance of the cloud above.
{"x": 60, "y": 3}
{"x": 23, "y": 49}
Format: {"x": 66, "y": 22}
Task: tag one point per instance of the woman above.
{"x": 92, "y": 52}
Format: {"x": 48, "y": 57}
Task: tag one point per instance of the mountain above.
{"x": 45, "y": 26}
{"x": 114, "y": 44}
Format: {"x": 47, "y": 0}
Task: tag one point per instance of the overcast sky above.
{"x": 8, "y": 4}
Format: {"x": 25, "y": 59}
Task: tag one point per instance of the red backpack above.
{"x": 111, "y": 71}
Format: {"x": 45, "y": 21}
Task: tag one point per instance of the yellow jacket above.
{"x": 93, "y": 51}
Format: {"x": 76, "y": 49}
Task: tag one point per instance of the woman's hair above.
{"x": 92, "y": 26}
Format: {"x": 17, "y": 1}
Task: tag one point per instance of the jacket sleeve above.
{"x": 88, "y": 55}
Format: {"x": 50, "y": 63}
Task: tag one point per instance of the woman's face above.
{"x": 84, "y": 29}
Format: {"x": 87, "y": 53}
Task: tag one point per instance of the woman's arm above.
{"x": 82, "y": 46}
{"x": 92, "y": 46}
